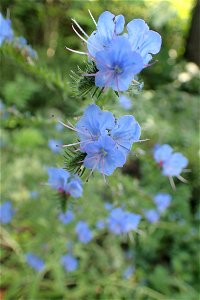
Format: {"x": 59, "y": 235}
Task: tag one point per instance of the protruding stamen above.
{"x": 171, "y": 180}
{"x": 76, "y": 51}
{"x": 82, "y": 38}
{"x": 182, "y": 179}
{"x": 141, "y": 141}
{"x": 81, "y": 29}
{"x": 92, "y": 17}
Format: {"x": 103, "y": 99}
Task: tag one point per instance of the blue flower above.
{"x": 125, "y": 102}
{"x": 31, "y": 52}
{"x": 108, "y": 27}
{"x": 142, "y": 40}
{"x": 100, "y": 224}
{"x": 162, "y": 201}
{"x": 108, "y": 206}
{"x": 74, "y": 187}
{"x": 62, "y": 181}
{"x": 174, "y": 165}
{"x": 117, "y": 65}
{"x": 20, "y": 42}
{"x": 103, "y": 156}
{"x": 126, "y": 131}
{"x": 162, "y": 153}
{"x": 66, "y": 217}
{"x": 152, "y": 215}
{"x": 83, "y": 232}
{"x": 120, "y": 221}
{"x": 6, "y": 212}
{"x": 93, "y": 124}
{"x": 35, "y": 262}
{"x": 54, "y": 145}
{"x": 128, "y": 272}
{"x": 6, "y": 32}
{"x": 58, "y": 178}
{"x": 69, "y": 262}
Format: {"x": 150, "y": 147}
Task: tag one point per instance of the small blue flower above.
{"x": 83, "y": 232}
{"x": 152, "y": 215}
{"x": 117, "y": 65}
{"x": 62, "y": 181}
{"x": 120, "y": 221}
{"x": 74, "y": 187}
{"x": 54, "y": 145}
{"x": 93, "y": 124}
{"x": 66, "y": 217}
{"x": 58, "y": 178}
{"x": 162, "y": 201}
{"x": 162, "y": 153}
{"x": 103, "y": 156}
{"x": 6, "y": 212}
{"x": 35, "y": 262}
{"x": 174, "y": 165}
{"x": 108, "y": 206}
{"x": 126, "y": 131}
{"x": 20, "y": 42}
{"x": 142, "y": 40}
{"x": 125, "y": 102}
{"x": 6, "y": 32}
{"x": 101, "y": 224}
{"x": 69, "y": 262}
{"x": 128, "y": 272}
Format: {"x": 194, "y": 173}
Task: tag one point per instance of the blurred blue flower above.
{"x": 174, "y": 165}
{"x": 152, "y": 215}
{"x": 6, "y": 212}
{"x": 117, "y": 65}
{"x": 59, "y": 127}
{"x": 93, "y": 124}
{"x": 108, "y": 26}
{"x": 31, "y": 52}
{"x": 162, "y": 201}
{"x": 126, "y": 131}
{"x": 125, "y": 102}
{"x": 35, "y": 262}
{"x": 120, "y": 221}
{"x": 101, "y": 224}
{"x": 55, "y": 145}
{"x": 143, "y": 40}
{"x": 20, "y": 42}
{"x": 108, "y": 206}
{"x": 69, "y": 262}
{"x": 83, "y": 232}
{"x": 103, "y": 156}
{"x": 162, "y": 153}
{"x": 66, "y": 217}
{"x": 6, "y": 32}
{"x": 128, "y": 272}
{"x": 63, "y": 181}
{"x": 34, "y": 194}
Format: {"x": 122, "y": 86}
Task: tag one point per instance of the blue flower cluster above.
{"x": 106, "y": 140}
{"x": 35, "y": 262}
{"x": 119, "y": 55}
{"x": 6, "y": 212}
{"x": 83, "y": 232}
{"x": 162, "y": 201}
{"x": 171, "y": 163}
{"x": 7, "y": 35}
{"x": 69, "y": 262}
{"x": 120, "y": 221}
{"x": 62, "y": 181}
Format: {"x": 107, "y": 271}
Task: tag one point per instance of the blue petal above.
{"x": 106, "y": 27}
{"x": 162, "y": 153}
{"x": 119, "y": 24}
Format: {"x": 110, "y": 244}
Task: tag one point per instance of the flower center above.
{"x": 103, "y": 152}
{"x": 117, "y": 69}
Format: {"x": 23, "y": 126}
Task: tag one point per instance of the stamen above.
{"x": 171, "y": 180}
{"x": 75, "y": 51}
{"x": 79, "y": 34}
{"x": 81, "y": 29}
{"x": 92, "y": 17}
{"x": 77, "y": 143}
{"x": 182, "y": 179}
{"x": 141, "y": 141}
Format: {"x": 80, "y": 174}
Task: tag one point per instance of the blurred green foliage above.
{"x": 164, "y": 254}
